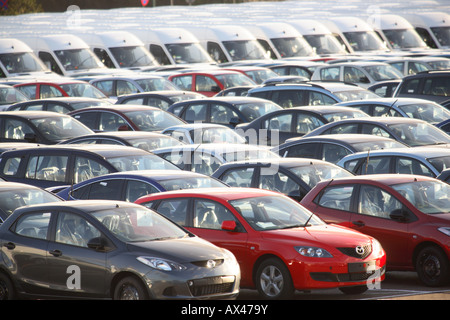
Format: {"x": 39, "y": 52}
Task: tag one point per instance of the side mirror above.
{"x": 124, "y": 127}
{"x": 215, "y": 89}
{"x": 399, "y": 215}
{"x": 234, "y": 121}
{"x": 98, "y": 244}
{"x": 364, "y": 80}
{"x": 229, "y": 225}
{"x": 30, "y": 137}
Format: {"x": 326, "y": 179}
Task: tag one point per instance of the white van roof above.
{"x": 389, "y": 22}
{"x": 12, "y": 45}
{"x": 309, "y": 27}
{"x": 428, "y": 19}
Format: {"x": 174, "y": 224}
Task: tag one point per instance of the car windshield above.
{"x": 325, "y": 44}
{"x": 429, "y": 112}
{"x": 244, "y": 50}
{"x": 430, "y": 197}
{"x": 274, "y": 213}
{"x": 364, "y": 41}
{"x": 439, "y": 65}
{"x": 22, "y": 62}
{"x": 258, "y": 76}
{"x": 141, "y": 162}
{"x": 12, "y": 199}
{"x": 149, "y": 144}
{"x": 216, "y": 135}
{"x": 10, "y": 95}
{"x": 440, "y": 163}
{"x": 156, "y": 84}
{"x": 383, "y": 72}
{"x": 153, "y": 120}
{"x": 315, "y": 173}
{"x": 419, "y": 134}
{"x": 132, "y": 56}
{"x": 60, "y": 128}
{"x": 190, "y": 183}
{"x": 356, "y": 94}
{"x": 82, "y": 90}
{"x": 78, "y": 59}
{"x": 255, "y": 110}
{"x": 234, "y": 80}
{"x": 378, "y": 145}
{"x": 188, "y": 53}
{"x": 292, "y": 47}
{"x": 341, "y": 115}
{"x": 404, "y": 38}
{"x": 442, "y": 34}
{"x": 85, "y": 104}
{"x": 138, "y": 224}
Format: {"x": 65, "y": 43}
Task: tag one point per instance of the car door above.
{"x": 73, "y": 268}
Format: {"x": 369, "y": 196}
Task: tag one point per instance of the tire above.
{"x": 7, "y": 290}
{"x": 273, "y": 280}
{"x": 354, "y": 290}
{"x": 130, "y": 288}
{"x": 432, "y": 266}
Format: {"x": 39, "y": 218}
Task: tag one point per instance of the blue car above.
{"x": 131, "y": 185}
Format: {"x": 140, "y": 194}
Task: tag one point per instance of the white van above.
{"x": 228, "y": 43}
{"x": 18, "y": 60}
{"x": 173, "y": 46}
{"x": 119, "y": 50}
{"x": 396, "y": 32}
{"x": 356, "y": 34}
{"x": 433, "y": 27}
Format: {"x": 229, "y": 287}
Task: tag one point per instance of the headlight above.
{"x": 445, "y": 230}
{"x": 161, "y": 264}
{"x": 376, "y": 246}
{"x": 229, "y": 256}
{"x": 313, "y": 252}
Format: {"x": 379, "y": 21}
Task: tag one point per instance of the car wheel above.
{"x": 273, "y": 280}
{"x": 130, "y": 288}
{"x": 354, "y": 290}
{"x": 7, "y": 291}
{"x": 432, "y": 266}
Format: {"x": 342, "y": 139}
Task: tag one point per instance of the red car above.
{"x": 280, "y": 246}
{"x": 408, "y": 214}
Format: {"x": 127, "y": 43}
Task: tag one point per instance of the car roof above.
{"x": 385, "y": 178}
{"x": 153, "y": 174}
{"x": 324, "y": 109}
{"x": 213, "y": 147}
{"x": 33, "y": 114}
{"x": 166, "y": 93}
{"x": 392, "y": 101}
{"x": 419, "y": 152}
{"x": 123, "y": 134}
{"x": 10, "y": 185}
{"x": 118, "y": 108}
{"x": 348, "y": 138}
{"x": 282, "y": 162}
{"x": 193, "y": 126}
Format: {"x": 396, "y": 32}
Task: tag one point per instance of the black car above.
{"x": 42, "y": 127}
{"x": 159, "y": 99}
{"x": 228, "y": 111}
{"x": 108, "y": 250}
{"x": 430, "y": 85}
{"x": 293, "y": 177}
{"x": 60, "y": 104}
{"x": 333, "y": 147}
{"x": 52, "y": 166}
{"x": 276, "y": 127}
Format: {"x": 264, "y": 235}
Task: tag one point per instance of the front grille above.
{"x": 204, "y": 263}
{"x": 345, "y": 277}
{"x": 211, "y": 286}
{"x": 353, "y": 252}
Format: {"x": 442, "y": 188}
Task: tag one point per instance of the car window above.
{"x": 304, "y": 150}
{"x": 56, "y": 107}
{"x": 279, "y": 123}
{"x": 11, "y": 166}
{"x": 438, "y": 86}
{"x": 319, "y": 99}
{"x": 376, "y": 202}
{"x": 74, "y": 230}
{"x": 307, "y": 123}
{"x": 204, "y": 163}
{"x": 106, "y": 190}
{"x": 29, "y": 91}
{"x": 210, "y": 214}
{"x": 354, "y": 75}
{"x": 289, "y": 98}
{"x": 222, "y": 114}
{"x": 410, "y": 86}
{"x": 136, "y": 189}
{"x": 333, "y": 152}
{"x": 343, "y": 128}
{"x": 33, "y": 106}
{"x": 48, "y": 168}
{"x": 33, "y": 225}
{"x": 412, "y": 166}
{"x": 107, "y": 87}
{"x": 338, "y": 198}
{"x": 375, "y": 165}
{"x": 375, "y": 130}
{"x": 133, "y": 101}
{"x": 110, "y": 122}
{"x": 49, "y": 92}
{"x": 174, "y": 209}
{"x": 384, "y": 111}
{"x": 330, "y": 74}
{"x": 16, "y": 129}
{"x": 240, "y": 177}
{"x": 183, "y": 82}
{"x": 125, "y": 87}
{"x": 87, "y": 168}
{"x": 204, "y": 83}
{"x": 277, "y": 181}
{"x": 159, "y": 103}
{"x": 196, "y": 112}
{"x": 216, "y": 52}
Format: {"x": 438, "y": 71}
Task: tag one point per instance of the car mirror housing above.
{"x": 30, "y": 137}
{"x": 97, "y": 243}
{"x": 400, "y": 215}
{"x": 229, "y": 225}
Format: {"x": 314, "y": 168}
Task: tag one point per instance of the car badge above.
{"x": 210, "y": 264}
{"x": 359, "y": 250}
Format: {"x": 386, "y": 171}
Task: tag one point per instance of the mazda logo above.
{"x": 210, "y": 264}
{"x": 359, "y": 250}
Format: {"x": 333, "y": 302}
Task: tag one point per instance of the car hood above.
{"x": 330, "y": 235}
{"x": 180, "y": 250}
{"x": 440, "y": 219}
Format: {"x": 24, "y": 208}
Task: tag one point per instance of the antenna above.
{"x": 367, "y": 160}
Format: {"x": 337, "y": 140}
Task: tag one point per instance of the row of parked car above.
{"x": 194, "y": 181}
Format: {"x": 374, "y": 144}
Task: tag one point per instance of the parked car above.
{"x": 293, "y": 177}
{"x": 42, "y": 127}
{"x": 332, "y": 147}
{"x": 408, "y": 214}
{"x": 430, "y": 85}
{"x": 293, "y": 67}
{"x": 240, "y": 91}
{"x": 276, "y": 127}
{"x": 14, "y": 195}
{"x": 256, "y": 73}
{"x": 206, "y": 158}
{"x": 203, "y": 133}
{"x": 125, "y": 117}
{"x": 116, "y": 86}
{"x": 161, "y": 99}
{"x": 131, "y": 185}
{"x": 362, "y": 73}
{"x": 139, "y": 139}
{"x": 422, "y": 109}
{"x": 10, "y": 95}
{"x": 444, "y": 126}
{"x": 386, "y": 88}
{"x": 424, "y": 161}
{"x": 51, "y": 166}
{"x": 60, "y": 105}
{"x": 61, "y": 87}
{"x": 263, "y": 227}
{"x": 229, "y": 111}
{"x": 109, "y": 249}
{"x": 310, "y": 93}
{"x": 412, "y": 65}
{"x": 413, "y": 132}
{"x": 210, "y": 82}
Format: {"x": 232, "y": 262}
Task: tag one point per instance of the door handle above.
{"x": 359, "y": 223}
{"x": 56, "y": 253}
{"x": 9, "y": 245}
